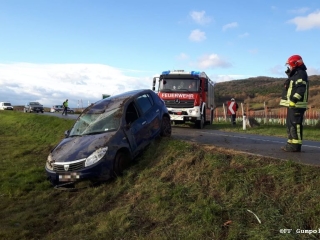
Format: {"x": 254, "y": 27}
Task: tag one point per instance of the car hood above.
{"x": 79, "y": 147}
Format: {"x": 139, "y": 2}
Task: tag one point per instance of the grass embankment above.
{"x": 175, "y": 190}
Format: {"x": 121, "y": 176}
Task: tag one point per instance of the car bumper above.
{"x": 98, "y": 172}
{"x": 36, "y": 110}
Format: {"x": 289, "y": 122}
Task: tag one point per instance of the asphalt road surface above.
{"x": 250, "y": 143}
{"x": 268, "y": 146}
{"x": 59, "y": 114}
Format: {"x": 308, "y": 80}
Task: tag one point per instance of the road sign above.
{"x": 105, "y": 96}
{"x": 232, "y": 108}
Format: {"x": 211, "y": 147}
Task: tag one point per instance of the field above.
{"x": 175, "y": 190}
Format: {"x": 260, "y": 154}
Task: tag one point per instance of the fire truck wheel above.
{"x": 165, "y": 127}
{"x": 200, "y": 123}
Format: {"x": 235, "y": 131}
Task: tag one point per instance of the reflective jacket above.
{"x": 296, "y": 88}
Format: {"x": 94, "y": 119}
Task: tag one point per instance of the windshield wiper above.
{"x": 182, "y": 89}
{"x": 92, "y": 133}
{"x": 75, "y": 135}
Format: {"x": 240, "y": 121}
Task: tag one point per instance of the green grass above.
{"x": 175, "y": 190}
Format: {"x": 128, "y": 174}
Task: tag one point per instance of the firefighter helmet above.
{"x": 294, "y": 61}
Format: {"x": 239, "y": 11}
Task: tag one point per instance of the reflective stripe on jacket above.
{"x": 296, "y": 89}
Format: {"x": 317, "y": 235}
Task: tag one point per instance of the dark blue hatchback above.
{"x": 107, "y": 136}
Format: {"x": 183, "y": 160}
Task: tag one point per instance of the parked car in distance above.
{"x": 107, "y": 136}
{"x": 59, "y": 108}
{"x": 6, "y": 106}
{"x": 33, "y": 107}
{"x": 56, "y": 108}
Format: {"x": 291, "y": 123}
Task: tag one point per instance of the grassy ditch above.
{"x": 175, "y": 190}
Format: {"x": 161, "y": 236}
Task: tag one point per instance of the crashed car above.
{"x": 107, "y": 136}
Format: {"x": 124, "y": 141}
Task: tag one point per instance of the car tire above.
{"x": 121, "y": 162}
{"x": 165, "y": 130}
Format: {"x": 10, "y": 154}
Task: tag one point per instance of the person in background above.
{"x": 192, "y": 86}
{"x": 295, "y": 98}
{"x": 65, "y": 107}
{"x": 234, "y": 116}
{"x": 181, "y": 85}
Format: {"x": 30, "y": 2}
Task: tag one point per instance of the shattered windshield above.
{"x": 94, "y": 122}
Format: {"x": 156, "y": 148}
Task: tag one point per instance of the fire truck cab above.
{"x": 189, "y": 96}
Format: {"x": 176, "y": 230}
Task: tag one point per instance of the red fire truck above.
{"x": 189, "y": 96}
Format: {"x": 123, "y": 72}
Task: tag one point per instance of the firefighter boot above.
{"x": 292, "y": 147}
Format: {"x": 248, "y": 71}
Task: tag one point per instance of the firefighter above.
{"x": 295, "y": 98}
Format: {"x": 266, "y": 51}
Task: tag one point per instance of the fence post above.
{"x": 244, "y": 121}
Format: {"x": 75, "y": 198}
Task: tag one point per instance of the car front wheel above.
{"x": 121, "y": 162}
{"x": 165, "y": 127}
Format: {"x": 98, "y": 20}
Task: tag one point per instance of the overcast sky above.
{"x": 53, "y": 50}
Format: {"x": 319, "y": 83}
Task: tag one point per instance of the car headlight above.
{"x": 96, "y": 156}
{"x": 49, "y": 162}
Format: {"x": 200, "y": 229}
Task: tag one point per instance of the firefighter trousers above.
{"x": 294, "y": 125}
{"x": 233, "y": 119}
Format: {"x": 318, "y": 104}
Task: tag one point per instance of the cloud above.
{"x": 226, "y": 78}
{"x": 212, "y": 61}
{"x": 278, "y": 70}
{"x": 52, "y": 83}
{"x": 305, "y": 23}
{"x": 182, "y": 56}
{"x": 230, "y": 25}
{"x": 244, "y": 35}
{"x": 313, "y": 71}
{"x": 200, "y": 18}
{"x": 299, "y": 10}
{"x": 197, "y": 36}
{"x": 253, "y": 51}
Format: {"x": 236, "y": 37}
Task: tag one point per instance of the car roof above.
{"x": 120, "y": 98}
{"x": 125, "y": 95}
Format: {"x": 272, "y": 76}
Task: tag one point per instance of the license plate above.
{"x": 69, "y": 177}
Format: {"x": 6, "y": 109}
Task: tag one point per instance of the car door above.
{"x": 135, "y": 128}
{"x": 151, "y": 112}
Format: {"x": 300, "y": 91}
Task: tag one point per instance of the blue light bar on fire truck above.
{"x": 194, "y": 73}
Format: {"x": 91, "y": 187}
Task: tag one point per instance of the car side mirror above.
{"x": 66, "y": 133}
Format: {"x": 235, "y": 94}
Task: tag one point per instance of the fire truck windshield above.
{"x": 179, "y": 85}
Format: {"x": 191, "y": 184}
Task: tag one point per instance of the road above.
{"x": 267, "y": 146}
{"x": 59, "y": 114}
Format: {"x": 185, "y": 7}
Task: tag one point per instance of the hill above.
{"x": 261, "y": 90}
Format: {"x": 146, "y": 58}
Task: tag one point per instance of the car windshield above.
{"x": 7, "y": 104}
{"x": 93, "y": 122}
{"x": 34, "y": 103}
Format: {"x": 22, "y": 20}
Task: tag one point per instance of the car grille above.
{"x": 183, "y": 103}
{"x": 69, "y": 166}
